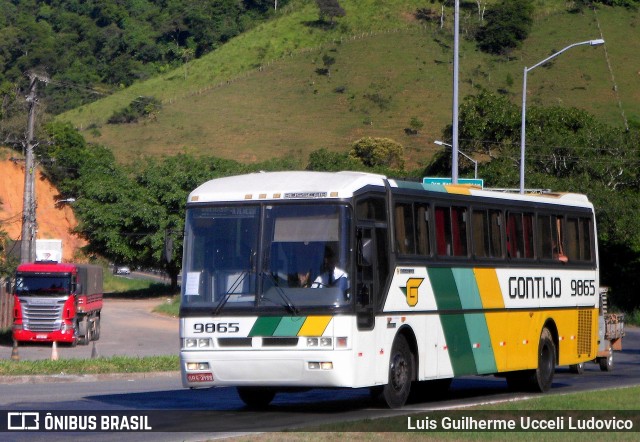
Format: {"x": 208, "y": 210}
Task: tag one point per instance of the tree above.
{"x": 567, "y": 149}
{"x": 374, "y": 152}
{"x": 508, "y": 23}
{"x": 330, "y": 9}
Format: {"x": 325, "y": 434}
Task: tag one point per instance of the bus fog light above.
{"x": 326, "y": 342}
{"x": 326, "y": 365}
{"x": 312, "y": 342}
{"x": 193, "y": 366}
{"x": 341, "y": 342}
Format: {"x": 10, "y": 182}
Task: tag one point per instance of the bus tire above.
{"x": 396, "y": 392}
{"x": 256, "y": 397}
{"x": 542, "y": 377}
{"x": 606, "y": 363}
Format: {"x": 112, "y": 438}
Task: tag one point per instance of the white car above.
{"x": 123, "y": 270}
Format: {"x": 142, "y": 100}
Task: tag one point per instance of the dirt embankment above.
{"x": 53, "y": 221}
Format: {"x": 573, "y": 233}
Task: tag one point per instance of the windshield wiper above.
{"x": 231, "y": 291}
{"x": 287, "y": 302}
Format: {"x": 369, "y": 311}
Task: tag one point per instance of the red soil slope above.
{"x": 53, "y": 222}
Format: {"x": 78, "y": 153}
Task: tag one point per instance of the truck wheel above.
{"x": 577, "y": 368}
{"x": 83, "y": 331}
{"x": 255, "y": 397}
{"x": 397, "y": 390}
{"x": 606, "y": 363}
{"x": 96, "y": 329}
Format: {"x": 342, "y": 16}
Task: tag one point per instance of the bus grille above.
{"x": 584, "y": 332}
{"x": 42, "y": 317}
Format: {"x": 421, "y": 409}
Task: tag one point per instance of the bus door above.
{"x": 372, "y": 262}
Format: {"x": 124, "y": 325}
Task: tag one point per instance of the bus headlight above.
{"x": 324, "y": 342}
{"x": 193, "y": 343}
{"x": 320, "y": 365}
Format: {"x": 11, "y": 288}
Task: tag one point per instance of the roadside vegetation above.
{"x": 115, "y": 364}
{"x": 379, "y": 72}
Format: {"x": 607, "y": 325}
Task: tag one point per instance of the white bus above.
{"x": 296, "y": 280}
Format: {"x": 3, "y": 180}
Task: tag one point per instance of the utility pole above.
{"x": 28, "y": 243}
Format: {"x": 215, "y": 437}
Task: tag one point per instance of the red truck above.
{"x": 58, "y": 302}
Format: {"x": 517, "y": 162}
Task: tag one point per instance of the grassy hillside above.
{"x": 260, "y": 95}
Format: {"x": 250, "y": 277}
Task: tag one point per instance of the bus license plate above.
{"x": 200, "y": 377}
{"x": 41, "y": 336}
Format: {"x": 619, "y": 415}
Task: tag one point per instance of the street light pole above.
{"x": 475, "y": 163}
{"x": 596, "y": 42}
{"x": 456, "y": 56}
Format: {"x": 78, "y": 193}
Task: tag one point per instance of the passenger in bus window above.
{"x": 558, "y": 253}
{"x": 304, "y": 279}
{"x": 331, "y": 275}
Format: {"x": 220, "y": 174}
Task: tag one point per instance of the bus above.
{"x": 299, "y": 280}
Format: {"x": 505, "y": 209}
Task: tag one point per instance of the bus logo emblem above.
{"x": 411, "y": 290}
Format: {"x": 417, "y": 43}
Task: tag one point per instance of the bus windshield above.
{"x": 42, "y": 285}
{"x": 291, "y": 256}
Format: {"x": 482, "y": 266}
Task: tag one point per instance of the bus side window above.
{"x": 544, "y": 237}
{"x": 459, "y": 230}
{"x": 480, "y": 231}
{"x": 487, "y": 233}
{"x": 520, "y": 235}
{"x": 443, "y": 231}
{"x": 422, "y": 227}
{"x": 573, "y": 239}
{"x": 586, "y": 237}
{"x": 495, "y": 233}
{"x": 405, "y": 237}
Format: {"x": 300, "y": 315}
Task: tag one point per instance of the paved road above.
{"x": 217, "y": 412}
{"x": 128, "y": 328}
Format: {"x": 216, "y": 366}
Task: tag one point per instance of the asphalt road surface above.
{"x": 129, "y": 327}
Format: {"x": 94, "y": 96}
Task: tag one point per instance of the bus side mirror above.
{"x": 78, "y": 288}
{"x": 365, "y": 252}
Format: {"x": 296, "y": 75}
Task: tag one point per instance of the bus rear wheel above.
{"x": 541, "y": 378}
{"x": 256, "y": 397}
{"x": 397, "y": 390}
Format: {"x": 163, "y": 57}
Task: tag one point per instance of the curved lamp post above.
{"x": 475, "y": 163}
{"x": 596, "y": 42}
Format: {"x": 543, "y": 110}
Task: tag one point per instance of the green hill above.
{"x": 264, "y": 93}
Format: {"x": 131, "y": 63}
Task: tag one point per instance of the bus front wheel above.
{"x": 397, "y": 390}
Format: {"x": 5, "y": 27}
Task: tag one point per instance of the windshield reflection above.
{"x": 303, "y": 260}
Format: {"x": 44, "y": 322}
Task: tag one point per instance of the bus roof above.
{"x": 292, "y": 185}
{"x": 284, "y": 185}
